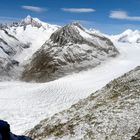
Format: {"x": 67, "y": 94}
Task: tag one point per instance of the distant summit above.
{"x": 31, "y": 21}
{"x": 128, "y": 36}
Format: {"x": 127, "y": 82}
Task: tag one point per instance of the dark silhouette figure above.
{"x": 5, "y": 133}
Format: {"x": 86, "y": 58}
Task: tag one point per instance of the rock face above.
{"x": 111, "y": 113}
{"x": 10, "y": 46}
{"x": 70, "y": 49}
{"x": 5, "y": 133}
{"x": 137, "y": 136}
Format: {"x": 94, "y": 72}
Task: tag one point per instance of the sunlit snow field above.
{"x": 24, "y": 105}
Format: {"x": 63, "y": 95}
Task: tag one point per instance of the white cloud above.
{"x": 123, "y": 15}
{"x": 78, "y": 10}
{"x": 34, "y": 8}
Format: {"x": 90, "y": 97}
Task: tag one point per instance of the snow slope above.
{"x": 33, "y": 32}
{"x": 27, "y": 104}
{"x": 128, "y": 36}
{"x": 10, "y": 46}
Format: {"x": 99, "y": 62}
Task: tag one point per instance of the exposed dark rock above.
{"x": 14, "y": 62}
{"x": 5, "y": 133}
{"x": 137, "y": 136}
{"x": 10, "y": 35}
{"x": 67, "y": 34}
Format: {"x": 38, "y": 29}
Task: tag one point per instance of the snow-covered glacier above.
{"x": 24, "y": 105}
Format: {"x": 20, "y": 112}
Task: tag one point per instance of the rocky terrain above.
{"x": 111, "y": 113}
{"x": 32, "y": 50}
{"x": 137, "y": 136}
{"x": 71, "y": 48}
{"x": 18, "y": 41}
{"x": 10, "y": 46}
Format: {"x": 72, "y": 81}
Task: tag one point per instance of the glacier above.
{"x": 24, "y": 105}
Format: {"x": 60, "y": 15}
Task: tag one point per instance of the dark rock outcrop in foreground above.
{"x": 112, "y": 113}
{"x": 5, "y": 133}
{"x": 70, "y": 49}
{"x": 137, "y": 136}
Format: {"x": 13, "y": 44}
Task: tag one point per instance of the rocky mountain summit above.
{"x": 71, "y": 48}
{"x": 111, "y": 113}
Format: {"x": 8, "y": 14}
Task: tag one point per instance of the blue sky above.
{"x": 109, "y": 16}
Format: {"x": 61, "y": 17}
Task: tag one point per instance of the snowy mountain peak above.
{"x": 35, "y": 22}
{"x": 68, "y": 33}
{"x": 128, "y": 36}
{"x": 128, "y": 31}
{"x": 31, "y": 21}
{"x": 77, "y": 24}
{"x": 69, "y": 49}
{"x": 28, "y": 19}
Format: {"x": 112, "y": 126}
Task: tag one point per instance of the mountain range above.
{"x": 19, "y": 41}
{"x": 67, "y": 76}
{"x": 37, "y": 51}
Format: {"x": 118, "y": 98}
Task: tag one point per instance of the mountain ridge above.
{"x": 18, "y": 42}
{"x": 108, "y": 114}
{"x": 69, "y": 49}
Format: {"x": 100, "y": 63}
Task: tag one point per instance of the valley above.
{"x": 28, "y": 103}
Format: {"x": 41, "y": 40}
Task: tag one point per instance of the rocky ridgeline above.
{"x": 70, "y": 49}
{"x": 111, "y": 113}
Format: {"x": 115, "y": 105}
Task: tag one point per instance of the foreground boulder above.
{"x": 112, "y": 113}
{"x": 5, "y": 133}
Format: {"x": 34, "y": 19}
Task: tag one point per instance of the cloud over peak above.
{"x": 34, "y": 8}
{"x": 123, "y": 15}
{"x": 78, "y": 10}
